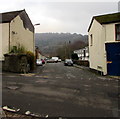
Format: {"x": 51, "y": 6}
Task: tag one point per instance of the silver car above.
{"x": 39, "y": 62}
{"x": 68, "y": 62}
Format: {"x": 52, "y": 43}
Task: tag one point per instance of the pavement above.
{"x": 56, "y": 90}
{"x": 88, "y": 69}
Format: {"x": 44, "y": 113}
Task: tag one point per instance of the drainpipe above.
{"x": 105, "y": 53}
{"x": 33, "y": 40}
{"x": 9, "y": 36}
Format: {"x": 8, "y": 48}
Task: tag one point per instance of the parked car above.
{"x": 68, "y": 62}
{"x": 55, "y": 59}
{"x": 39, "y": 62}
{"x": 50, "y": 61}
{"x": 59, "y": 60}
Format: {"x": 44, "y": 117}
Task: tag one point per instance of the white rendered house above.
{"x": 104, "y": 43}
{"x": 16, "y": 29}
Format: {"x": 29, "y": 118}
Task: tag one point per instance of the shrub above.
{"x": 21, "y": 50}
{"x": 31, "y": 59}
{"x": 74, "y": 56}
{"x": 17, "y": 49}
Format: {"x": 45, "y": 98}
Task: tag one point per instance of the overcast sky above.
{"x": 62, "y": 15}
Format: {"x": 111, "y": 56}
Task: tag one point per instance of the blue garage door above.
{"x": 113, "y": 58}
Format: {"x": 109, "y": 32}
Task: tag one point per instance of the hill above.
{"x": 50, "y": 42}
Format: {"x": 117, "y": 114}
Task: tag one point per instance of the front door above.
{"x": 113, "y": 58}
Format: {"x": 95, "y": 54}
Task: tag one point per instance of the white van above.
{"x": 55, "y": 59}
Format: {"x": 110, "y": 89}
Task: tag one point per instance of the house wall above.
{"x": 21, "y": 36}
{"x": 110, "y": 32}
{"x": 4, "y": 39}
{"x": 101, "y": 34}
{"x": 97, "y": 53}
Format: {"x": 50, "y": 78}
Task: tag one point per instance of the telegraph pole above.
{"x": 69, "y": 50}
{"x": 65, "y": 50}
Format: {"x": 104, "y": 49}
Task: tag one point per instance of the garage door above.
{"x": 113, "y": 58}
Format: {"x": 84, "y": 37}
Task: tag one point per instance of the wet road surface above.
{"x": 57, "y": 90}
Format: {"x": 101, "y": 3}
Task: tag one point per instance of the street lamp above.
{"x": 34, "y": 35}
{"x": 36, "y": 24}
{"x": 69, "y": 49}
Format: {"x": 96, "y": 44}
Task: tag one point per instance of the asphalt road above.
{"x": 56, "y": 90}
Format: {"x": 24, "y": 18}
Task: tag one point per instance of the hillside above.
{"x": 49, "y": 42}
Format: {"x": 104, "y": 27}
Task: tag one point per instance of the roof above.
{"x": 106, "y": 19}
{"x": 8, "y": 16}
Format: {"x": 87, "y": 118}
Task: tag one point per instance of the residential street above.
{"x": 57, "y": 90}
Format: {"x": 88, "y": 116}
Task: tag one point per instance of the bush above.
{"x": 31, "y": 59}
{"x": 17, "y": 49}
{"x": 21, "y": 50}
{"x": 74, "y": 56}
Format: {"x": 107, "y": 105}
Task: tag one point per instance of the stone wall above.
{"x": 15, "y": 63}
{"x": 82, "y": 62}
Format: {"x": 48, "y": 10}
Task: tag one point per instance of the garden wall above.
{"x": 82, "y": 62}
{"x": 15, "y": 63}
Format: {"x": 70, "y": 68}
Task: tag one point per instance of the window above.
{"x": 117, "y": 27}
{"x": 91, "y": 40}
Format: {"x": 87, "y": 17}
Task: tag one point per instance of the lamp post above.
{"x": 34, "y": 36}
{"x": 37, "y": 24}
{"x": 69, "y": 49}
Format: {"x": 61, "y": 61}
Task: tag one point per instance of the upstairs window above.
{"x": 117, "y": 27}
{"x": 91, "y": 40}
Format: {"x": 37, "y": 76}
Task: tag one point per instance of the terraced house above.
{"x": 104, "y": 43}
{"x": 16, "y": 29}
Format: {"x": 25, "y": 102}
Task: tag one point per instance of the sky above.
{"x": 66, "y": 16}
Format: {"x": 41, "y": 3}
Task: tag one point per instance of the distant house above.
{"x": 16, "y": 29}
{"x": 104, "y": 43}
{"x": 83, "y": 53}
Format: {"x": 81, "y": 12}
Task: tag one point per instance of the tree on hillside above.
{"x": 67, "y": 49}
{"x": 63, "y": 52}
{"x": 78, "y": 45}
{"x": 50, "y": 42}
